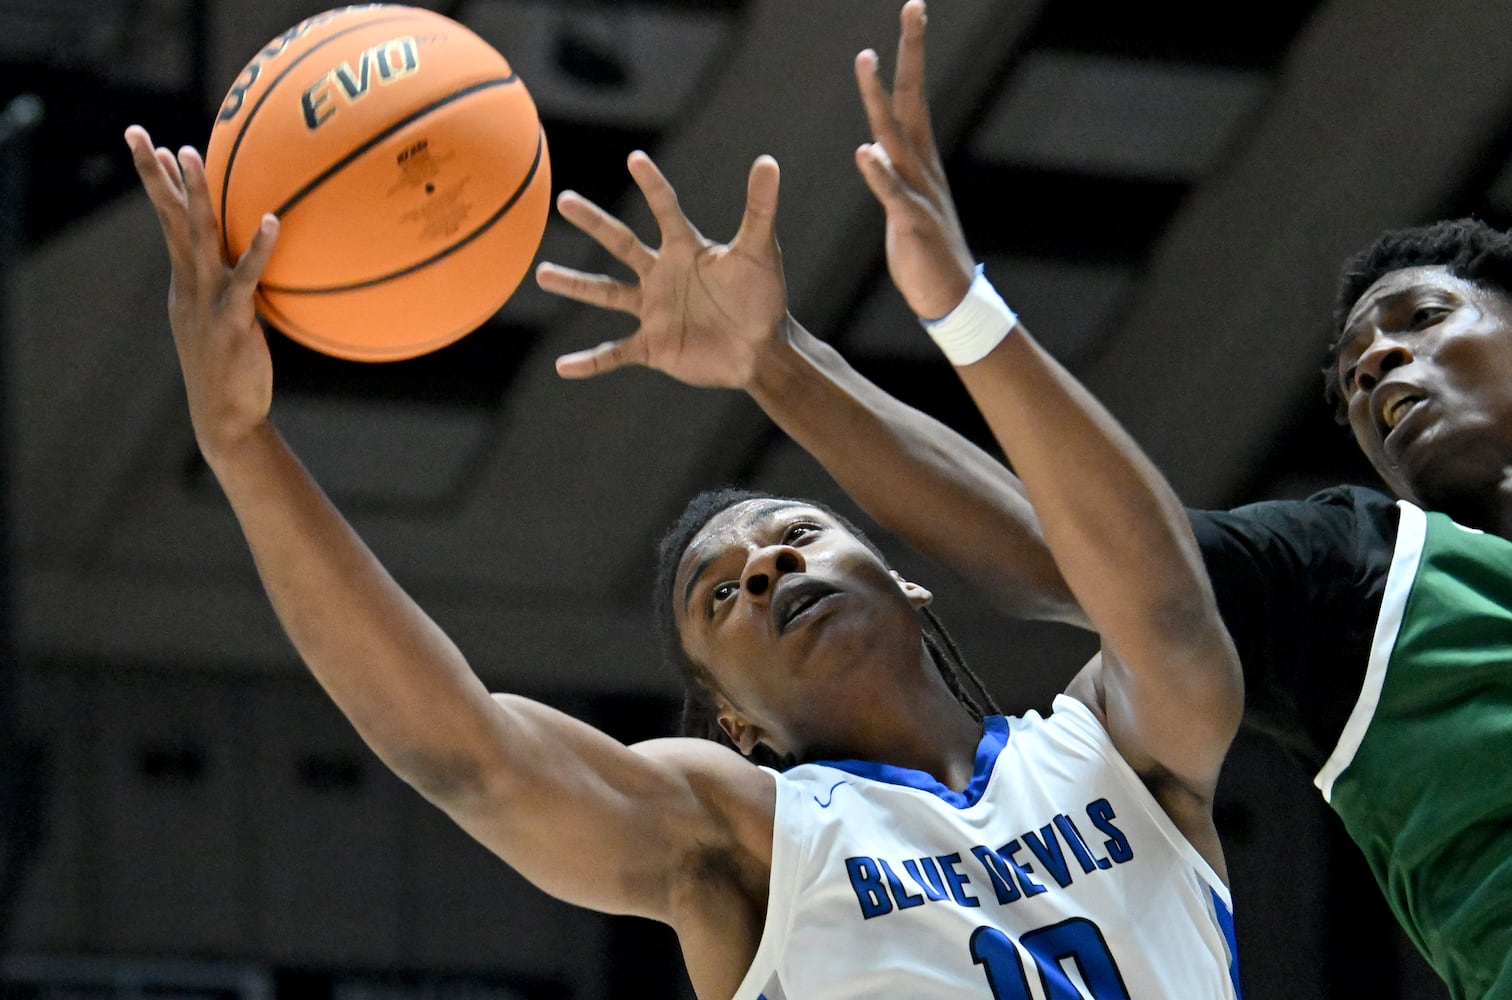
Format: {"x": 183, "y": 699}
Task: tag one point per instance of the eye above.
{"x": 1427, "y": 315}
{"x": 723, "y": 591}
{"x": 1347, "y": 379}
{"x": 799, "y": 531}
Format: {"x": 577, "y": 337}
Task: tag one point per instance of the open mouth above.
{"x": 800, "y": 601}
{"x": 1397, "y": 410}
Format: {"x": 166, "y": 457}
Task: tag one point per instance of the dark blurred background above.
{"x": 1163, "y": 192}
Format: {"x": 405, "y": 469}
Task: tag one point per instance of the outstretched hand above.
{"x": 221, "y": 348}
{"x": 706, "y": 310}
{"x": 927, "y": 255}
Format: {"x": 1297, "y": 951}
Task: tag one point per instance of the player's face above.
{"x": 779, "y": 603}
{"x": 1426, "y": 372}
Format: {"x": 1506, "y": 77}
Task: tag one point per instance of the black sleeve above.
{"x": 1299, "y": 585}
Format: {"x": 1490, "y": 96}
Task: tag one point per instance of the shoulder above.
{"x": 1340, "y": 523}
{"x": 1337, "y": 504}
{"x": 738, "y": 794}
{"x": 703, "y": 759}
{"x": 710, "y": 767}
{"x": 1359, "y": 505}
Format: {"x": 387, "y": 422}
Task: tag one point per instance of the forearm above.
{"x": 1119, "y": 534}
{"x": 389, "y": 668}
{"x": 1171, "y": 689}
{"x": 540, "y": 789}
{"x": 915, "y": 476}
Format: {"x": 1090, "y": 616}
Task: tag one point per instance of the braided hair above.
{"x": 700, "y": 711}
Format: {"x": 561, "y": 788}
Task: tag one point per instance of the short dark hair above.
{"x": 700, "y": 714}
{"x": 1468, "y": 248}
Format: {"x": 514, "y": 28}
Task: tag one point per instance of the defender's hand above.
{"x": 927, "y": 254}
{"x": 707, "y": 311}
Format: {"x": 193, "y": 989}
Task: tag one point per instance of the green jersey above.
{"x": 1415, "y": 613}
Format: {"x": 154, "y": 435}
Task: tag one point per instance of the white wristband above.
{"x": 970, "y": 331}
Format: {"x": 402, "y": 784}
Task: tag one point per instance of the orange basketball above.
{"x": 408, "y": 169}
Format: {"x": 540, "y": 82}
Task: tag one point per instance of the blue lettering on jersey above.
{"x": 1046, "y": 848}
{"x": 866, "y": 880}
{"x": 881, "y": 890}
{"x": 1009, "y": 851}
{"x": 957, "y": 880}
{"x": 932, "y": 882}
{"x": 1073, "y": 838}
{"x": 1101, "y": 814}
{"x": 997, "y": 873}
{"x": 901, "y": 896}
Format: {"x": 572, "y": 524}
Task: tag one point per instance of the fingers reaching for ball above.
{"x": 204, "y": 234}
{"x": 591, "y": 289}
{"x": 708, "y": 312}
{"x": 224, "y": 358}
{"x": 927, "y": 254}
{"x": 248, "y": 270}
{"x": 607, "y": 231}
{"x": 661, "y": 198}
{"x": 158, "y": 170}
{"x": 759, "y": 223}
{"x": 176, "y": 186}
{"x": 606, "y": 357}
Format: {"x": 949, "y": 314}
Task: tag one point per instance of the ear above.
{"x": 743, "y": 734}
{"x": 917, "y": 595}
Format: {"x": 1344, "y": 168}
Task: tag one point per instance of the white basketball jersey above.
{"x": 1053, "y": 876}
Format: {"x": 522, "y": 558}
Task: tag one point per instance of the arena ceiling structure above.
{"x": 1164, "y": 196}
{"x": 1164, "y": 199}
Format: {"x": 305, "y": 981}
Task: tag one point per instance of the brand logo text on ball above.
{"x": 392, "y": 60}
{"x": 237, "y": 96}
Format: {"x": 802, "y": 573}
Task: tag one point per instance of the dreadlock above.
{"x": 699, "y": 712}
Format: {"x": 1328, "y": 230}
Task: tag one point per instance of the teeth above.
{"x": 1397, "y": 410}
{"x": 799, "y": 607}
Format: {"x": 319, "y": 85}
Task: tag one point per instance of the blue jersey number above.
{"x": 1077, "y": 940}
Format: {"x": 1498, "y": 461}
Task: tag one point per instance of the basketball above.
{"x": 408, "y": 169}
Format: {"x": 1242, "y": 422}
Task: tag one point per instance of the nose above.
{"x": 1384, "y": 354}
{"x": 767, "y": 565}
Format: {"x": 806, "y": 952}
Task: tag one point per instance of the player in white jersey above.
{"x": 804, "y": 646}
{"x": 1054, "y": 867}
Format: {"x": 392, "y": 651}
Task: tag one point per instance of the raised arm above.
{"x": 540, "y": 789}
{"x": 941, "y": 494}
{"x": 1171, "y": 686}
{"x": 716, "y": 315}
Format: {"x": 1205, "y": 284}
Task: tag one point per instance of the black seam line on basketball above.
{"x": 272, "y": 86}
{"x": 378, "y": 137}
{"x": 314, "y": 341}
{"x": 482, "y": 228}
{"x": 282, "y": 321}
